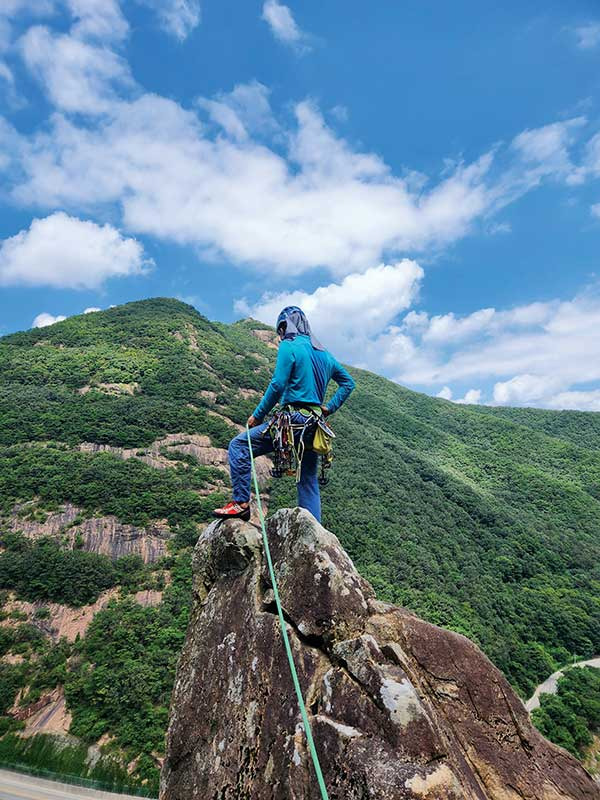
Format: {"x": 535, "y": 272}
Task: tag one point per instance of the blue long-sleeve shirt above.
{"x": 301, "y": 376}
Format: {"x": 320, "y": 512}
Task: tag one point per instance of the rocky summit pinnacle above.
{"x": 399, "y": 708}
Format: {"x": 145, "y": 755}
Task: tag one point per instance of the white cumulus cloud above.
{"x": 76, "y": 75}
{"x": 541, "y": 354}
{"x": 472, "y": 397}
{"x": 349, "y": 316}
{"x": 445, "y": 392}
{"x": 9, "y": 11}
{"x": 98, "y": 19}
{"x": 447, "y": 327}
{"x": 283, "y": 25}
{"x": 546, "y": 150}
{"x": 575, "y": 400}
{"x": 242, "y": 111}
{"x": 65, "y": 252}
{"x": 177, "y": 17}
{"x": 44, "y": 319}
{"x": 323, "y": 203}
{"x": 526, "y": 388}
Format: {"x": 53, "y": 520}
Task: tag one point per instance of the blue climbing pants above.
{"x": 309, "y": 496}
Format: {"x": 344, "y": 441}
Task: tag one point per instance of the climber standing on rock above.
{"x": 302, "y": 373}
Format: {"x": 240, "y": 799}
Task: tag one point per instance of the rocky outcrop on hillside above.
{"x": 399, "y": 708}
{"x": 106, "y": 535}
{"x": 156, "y": 455}
{"x": 68, "y": 622}
{"x": 161, "y": 453}
{"x": 266, "y": 336}
{"x": 58, "y": 621}
{"x": 109, "y": 536}
{"x": 48, "y": 715}
{"x": 111, "y": 388}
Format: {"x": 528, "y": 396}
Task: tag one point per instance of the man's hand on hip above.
{"x": 252, "y": 422}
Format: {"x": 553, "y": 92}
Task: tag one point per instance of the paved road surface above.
{"x": 14, "y": 786}
{"x": 550, "y": 684}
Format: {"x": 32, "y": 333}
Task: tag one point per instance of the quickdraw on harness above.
{"x": 290, "y": 441}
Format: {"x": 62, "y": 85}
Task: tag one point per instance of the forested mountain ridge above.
{"x": 112, "y": 429}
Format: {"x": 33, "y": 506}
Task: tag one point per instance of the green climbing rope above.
{"x": 286, "y": 641}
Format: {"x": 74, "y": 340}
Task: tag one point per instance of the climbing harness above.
{"x": 287, "y": 454}
{"x": 286, "y": 641}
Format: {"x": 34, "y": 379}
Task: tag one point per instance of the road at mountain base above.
{"x": 550, "y": 685}
{"x": 16, "y": 786}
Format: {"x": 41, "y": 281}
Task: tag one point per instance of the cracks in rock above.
{"x": 482, "y": 784}
{"x": 311, "y": 640}
{"x": 461, "y": 754}
{"x": 318, "y": 643}
{"x": 433, "y": 690}
{"x": 376, "y": 701}
{"x": 435, "y": 759}
{"x": 425, "y": 680}
{"x": 315, "y": 642}
{"x": 525, "y": 744}
{"x": 474, "y": 705}
{"x": 424, "y": 669}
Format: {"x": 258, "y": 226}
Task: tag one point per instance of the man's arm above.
{"x": 346, "y": 384}
{"x": 281, "y": 376}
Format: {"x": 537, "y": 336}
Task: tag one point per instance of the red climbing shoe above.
{"x": 232, "y": 511}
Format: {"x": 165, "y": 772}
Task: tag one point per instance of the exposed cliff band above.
{"x": 399, "y": 708}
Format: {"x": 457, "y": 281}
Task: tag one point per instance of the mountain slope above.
{"x": 112, "y": 429}
{"x": 472, "y": 520}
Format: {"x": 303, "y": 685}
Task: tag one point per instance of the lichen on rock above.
{"x": 399, "y": 708}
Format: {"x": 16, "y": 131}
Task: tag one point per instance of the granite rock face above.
{"x": 398, "y": 707}
{"x": 105, "y": 535}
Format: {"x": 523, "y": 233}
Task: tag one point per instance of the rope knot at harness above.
{"x": 284, "y": 634}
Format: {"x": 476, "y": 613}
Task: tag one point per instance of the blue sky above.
{"x": 423, "y": 177}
